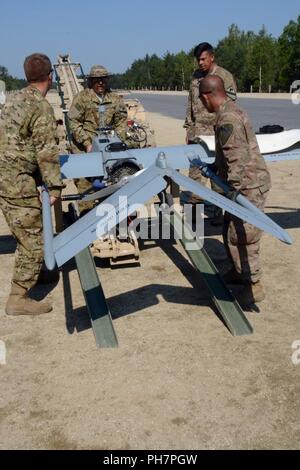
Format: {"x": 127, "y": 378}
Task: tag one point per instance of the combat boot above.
{"x": 20, "y": 304}
{"x": 252, "y": 293}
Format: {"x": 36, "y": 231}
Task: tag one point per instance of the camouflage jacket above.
{"x": 28, "y": 146}
{"x": 198, "y": 120}
{"x": 84, "y": 116}
{"x": 238, "y": 157}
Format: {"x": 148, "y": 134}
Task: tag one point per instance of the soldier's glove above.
{"x": 206, "y": 168}
{"x": 232, "y": 194}
{"x": 196, "y": 163}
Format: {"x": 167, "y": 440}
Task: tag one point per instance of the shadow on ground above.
{"x": 137, "y": 300}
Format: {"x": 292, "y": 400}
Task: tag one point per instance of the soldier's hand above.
{"x": 89, "y": 148}
{"x": 52, "y": 200}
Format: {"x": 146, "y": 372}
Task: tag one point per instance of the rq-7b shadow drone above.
{"x": 150, "y": 171}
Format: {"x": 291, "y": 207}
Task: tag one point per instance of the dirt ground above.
{"x": 178, "y": 380}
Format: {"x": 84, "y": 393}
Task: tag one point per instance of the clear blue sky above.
{"x": 115, "y": 33}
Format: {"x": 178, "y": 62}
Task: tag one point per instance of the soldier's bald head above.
{"x": 212, "y": 84}
{"x": 212, "y": 92}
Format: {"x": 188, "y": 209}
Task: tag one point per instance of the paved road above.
{"x": 261, "y": 111}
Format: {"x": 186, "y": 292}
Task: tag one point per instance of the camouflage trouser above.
{"x": 83, "y": 185}
{"x": 242, "y": 240}
{"x": 24, "y": 219}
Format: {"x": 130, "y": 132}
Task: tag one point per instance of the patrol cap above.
{"x": 37, "y": 67}
{"x": 98, "y": 71}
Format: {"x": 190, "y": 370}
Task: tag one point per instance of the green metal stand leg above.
{"x": 104, "y": 332}
{"x": 226, "y": 303}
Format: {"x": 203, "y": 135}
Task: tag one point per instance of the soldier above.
{"x": 85, "y": 118}
{"x": 28, "y": 155}
{"x": 239, "y": 162}
{"x": 198, "y": 121}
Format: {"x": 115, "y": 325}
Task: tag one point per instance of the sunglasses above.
{"x": 100, "y": 79}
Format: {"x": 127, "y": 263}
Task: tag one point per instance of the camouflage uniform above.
{"x": 240, "y": 163}
{"x": 199, "y": 121}
{"x": 28, "y": 155}
{"x": 84, "y": 118}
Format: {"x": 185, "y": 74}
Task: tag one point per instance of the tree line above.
{"x": 11, "y": 83}
{"x": 256, "y": 60}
